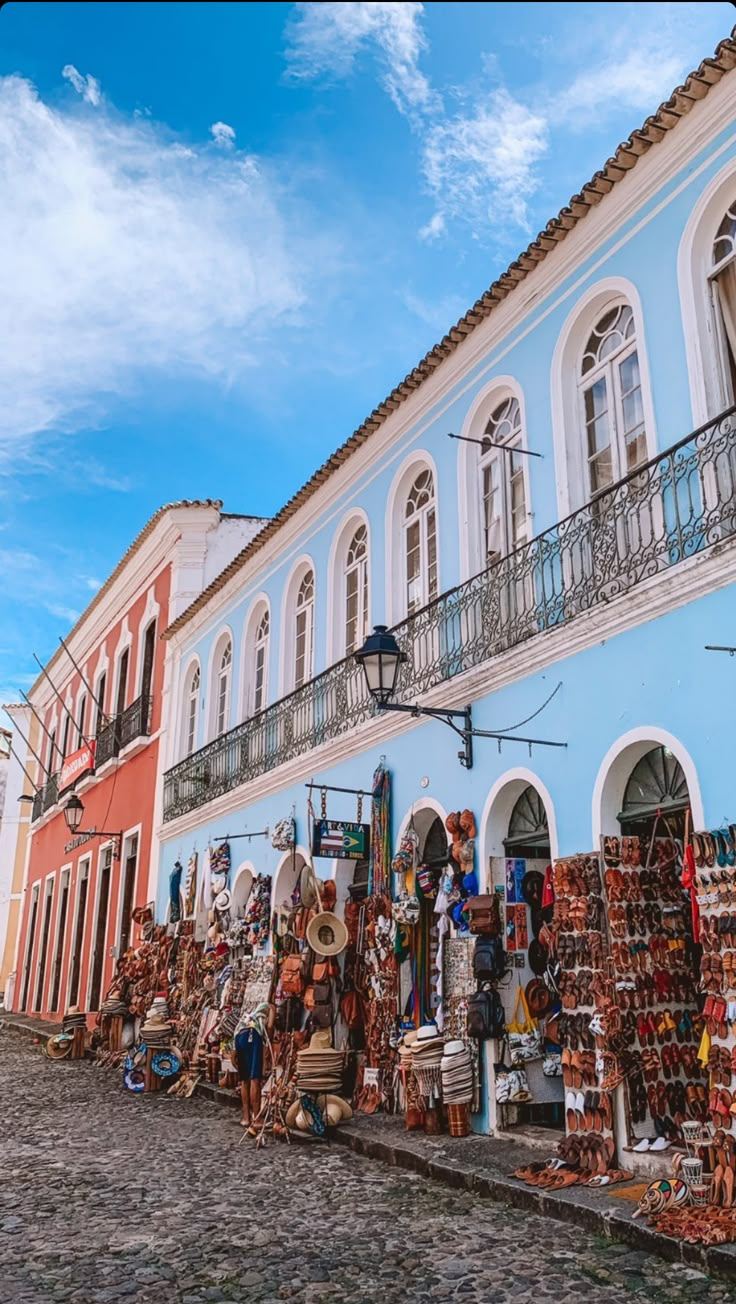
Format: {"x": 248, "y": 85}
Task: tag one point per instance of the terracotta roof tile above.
{"x": 654, "y": 129}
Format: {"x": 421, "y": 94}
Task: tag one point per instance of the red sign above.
{"x": 78, "y": 763}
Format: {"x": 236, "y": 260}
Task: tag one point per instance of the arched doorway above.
{"x": 649, "y": 915}
{"x": 527, "y": 850}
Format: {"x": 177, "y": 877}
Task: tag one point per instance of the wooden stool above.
{"x": 152, "y": 1081}
{"x": 79, "y": 1044}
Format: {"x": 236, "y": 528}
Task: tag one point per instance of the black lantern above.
{"x": 380, "y": 657}
{"x": 73, "y": 813}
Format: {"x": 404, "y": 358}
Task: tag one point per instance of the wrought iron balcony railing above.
{"x": 676, "y": 505}
{"x": 135, "y": 721}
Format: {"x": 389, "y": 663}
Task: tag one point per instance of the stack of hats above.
{"x": 406, "y": 1046}
{"x": 156, "y": 1030}
{"x": 319, "y": 1070}
{"x": 426, "y": 1059}
{"x": 457, "y": 1074}
{"x": 113, "y": 1004}
{"x": 74, "y": 1019}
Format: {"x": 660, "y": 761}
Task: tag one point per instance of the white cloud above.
{"x": 324, "y": 40}
{"x": 68, "y": 614}
{"x": 222, "y": 134}
{"x": 126, "y": 253}
{"x": 88, "y": 87}
{"x": 481, "y": 168}
{"x": 434, "y": 228}
{"x": 638, "y": 79}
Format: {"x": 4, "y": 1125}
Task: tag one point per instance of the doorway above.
{"x": 128, "y": 895}
{"x": 527, "y": 854}
{"x": 29, "y": 949}
{"x": 122, "y": 683}
{"x": 78, "y": 942}
{"x": 103, "y": 902}
{"x": 655, "y": 955}
{"x": 60, "y": 939}
{"x": 45, "y": 929}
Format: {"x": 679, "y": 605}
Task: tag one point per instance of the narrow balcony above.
{"x": 675, "y": 506}
{"x": 135, "y": 722}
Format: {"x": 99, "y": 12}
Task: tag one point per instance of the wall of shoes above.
{"x": 654, "y": 962}
{"x": 586, "y": 987}
{"x": 714, "y": 864}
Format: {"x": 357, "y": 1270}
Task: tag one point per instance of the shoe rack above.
{"x": 651, "y": 949}
{"x": 714, "y": 857}
{"x": 585, "y": 983}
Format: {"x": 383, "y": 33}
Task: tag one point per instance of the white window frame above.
{"x": 190, "y": 718}
{"x": 608, "y": 370}
{"x": 58, "y": 939}
{"x": 420, "y": 517}
{"x": 37, "y": 1003}
{"x": 304, "y": 630}
{"x": 105, "y": 847}
{"x": 357, "y": 567}
{"x": 496, "y": 459}
{"x": 223, "y": 684}
{"x": 258, "y": 689}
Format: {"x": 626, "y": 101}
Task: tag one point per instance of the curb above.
{"x": 607, "y": 1222}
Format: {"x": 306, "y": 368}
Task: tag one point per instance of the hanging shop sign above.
{"x": 341, "y": 840}
{"x": 77, "y": 763}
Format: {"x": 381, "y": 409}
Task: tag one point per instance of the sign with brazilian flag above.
{"x": 341, "y": 840}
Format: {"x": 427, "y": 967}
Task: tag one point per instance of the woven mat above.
{"x": 633, "y": 1193}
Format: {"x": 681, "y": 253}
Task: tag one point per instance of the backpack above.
{"x": 486, "y": 1016}
{"x": 489, "y": 960}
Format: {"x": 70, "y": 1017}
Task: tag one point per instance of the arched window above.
{"x": 191, "y": 710}
{"x": 503, "y": 492}
{"x": 304, "y": 630}
{"x": 258, "y": 687}
{"x": 611, "y": 398}
{"x": 420, "y": 543}
{"x": 356, "y": 590}
{"x": 222, "y": 688}
{"x": 723, "y": 294}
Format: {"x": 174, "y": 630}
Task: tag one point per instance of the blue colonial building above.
{"x": 570, "y": 556}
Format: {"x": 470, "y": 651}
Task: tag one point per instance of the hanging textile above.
{"x": 380, "y": 853}
{"x": 175, "y": 892}
{"x": 190, "y": 891}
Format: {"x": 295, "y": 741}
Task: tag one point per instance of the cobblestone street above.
{"x": 107, "y": 1197}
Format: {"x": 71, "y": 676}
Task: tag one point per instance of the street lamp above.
{"x": 381, "y": 658}
{"x": 74, "y": 814}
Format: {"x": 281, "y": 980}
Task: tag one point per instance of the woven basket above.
{"x": 458, "y": 1120}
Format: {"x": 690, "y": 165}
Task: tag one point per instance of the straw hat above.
{"x": 326, "y": 934}
{"x": 427, "y": 1033}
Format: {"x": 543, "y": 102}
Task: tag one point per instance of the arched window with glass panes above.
{"x": 610, "y": 384}
{"x": 304, "y": 630}
{"x": 222, "y": 688}
{"x": 504, "y": 512}
{"x": 191, "y": 709}
{"x": 723, "y": 297}
{"x": 356, "y": 590}
{"x": 258, "y": 688}
{"x": 420, "y": 543}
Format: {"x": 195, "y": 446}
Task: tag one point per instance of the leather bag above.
{"x": 292, "y": 976}
{"x": 486, "y": 1016}
{"x": 484, "y": 915}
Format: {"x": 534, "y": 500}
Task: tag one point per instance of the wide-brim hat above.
{"x": 453, "y": 1048}
{"x": 326, "y": 934}
{"x": 538, "y": 957}
{"x": 58, "y": 1046}
{"x": 166, "y": 1064}
{"x": 223, "y": 900}
{"x": 427, "y": 1032}
{"x": 135, "y": 1080}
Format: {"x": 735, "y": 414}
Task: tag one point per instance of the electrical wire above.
{"x": 530, "y": 717}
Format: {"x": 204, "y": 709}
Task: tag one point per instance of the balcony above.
{"x": 675, "y": 506}
{"x": 135, "y": 722}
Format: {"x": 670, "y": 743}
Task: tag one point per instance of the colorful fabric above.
{"x": 379, "y": 861}
{"x": 190, "y": 891}
{"x": 175, "y": 893}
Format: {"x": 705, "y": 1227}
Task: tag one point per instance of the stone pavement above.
{"x": 106, "y": 1197}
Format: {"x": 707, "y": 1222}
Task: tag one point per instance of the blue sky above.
{"x": 229, "y": 230}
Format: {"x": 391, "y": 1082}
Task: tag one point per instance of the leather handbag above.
{"x": 324, "y": 970}
{"x": 321, "y": 1015}
{"x": 316, "y": 994}
{"x": 484, "y": 915}
{"x": 292, "y": 976}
